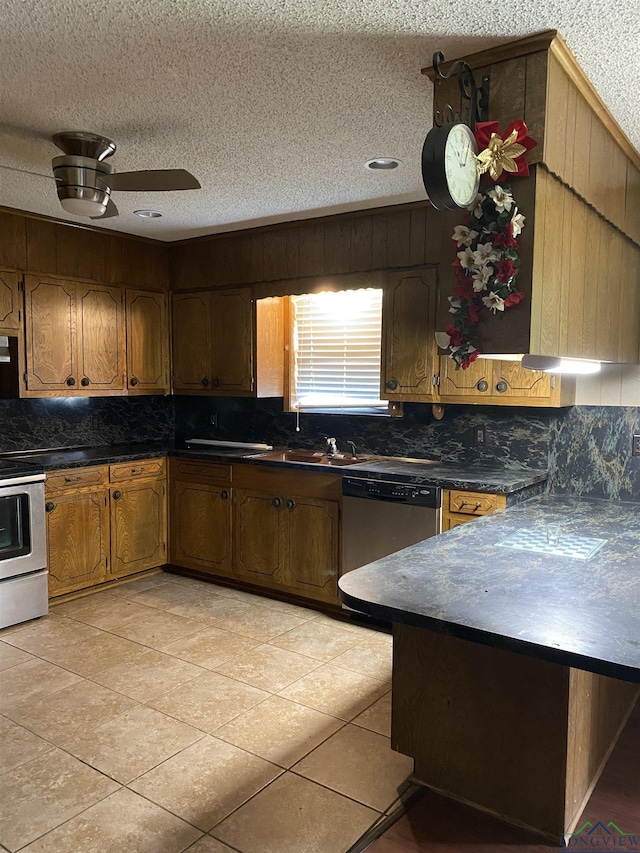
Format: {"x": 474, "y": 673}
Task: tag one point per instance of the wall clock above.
{"x": 450, "y": 166}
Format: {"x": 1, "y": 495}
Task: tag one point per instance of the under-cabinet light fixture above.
{"x": 148, "y": 214}
{"x": 554, "y": 364}
{"x": 382, "y": 164}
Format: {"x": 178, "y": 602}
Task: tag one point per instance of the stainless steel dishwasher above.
{"x": 380, "y": 517}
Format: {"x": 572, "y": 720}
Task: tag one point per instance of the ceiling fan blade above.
{"x": 111, "y": 210}
{"x": 154, "y": 180}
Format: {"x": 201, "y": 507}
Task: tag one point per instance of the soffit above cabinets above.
{"x": 274, "y": 107}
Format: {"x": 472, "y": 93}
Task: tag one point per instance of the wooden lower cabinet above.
{"x": 138, "y": 526}
{"x": 460, "y": 507}
{"x": 287, "y": 530}
{"x": 77, "y": 539}
{"x": 101, "y": 526}
{"x": 201, "y": 526}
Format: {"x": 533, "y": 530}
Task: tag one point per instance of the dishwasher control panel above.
{"x": 386, "y": 490}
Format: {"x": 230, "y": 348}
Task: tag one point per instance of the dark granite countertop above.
{"x": 583, "y": 613}
{"x": 17, "y": 468}
{"x": 420, "y": 471}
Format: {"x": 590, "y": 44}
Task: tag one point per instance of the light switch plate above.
{"x": 635, "y": 445}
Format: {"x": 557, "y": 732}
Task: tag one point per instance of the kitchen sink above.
{"x": 309, "y": 457}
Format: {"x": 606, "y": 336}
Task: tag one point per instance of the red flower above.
{"x": 513, "y": 299}
{"x": 485, "y": 129}
{"x": 505, "y": 239}
{"x": 506, "y": 270}
{"x": 464, "y": 288}
{"x": 455, "y": 335}
{"x": 473, "y": 309}
{"x": 469, "y": 359}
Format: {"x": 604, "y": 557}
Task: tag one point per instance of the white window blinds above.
{"x": 336, "y": 357}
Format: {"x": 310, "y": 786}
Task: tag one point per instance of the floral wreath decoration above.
{"x": 486, "y": 264}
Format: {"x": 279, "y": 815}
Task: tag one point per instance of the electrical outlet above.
{"x": 94, "y": 422}
{"x": 213, "y": 420}
{"x": 635, "y": 445}
{"x": 479, "y": 435}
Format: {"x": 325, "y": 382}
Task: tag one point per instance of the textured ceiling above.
{"x": 273, "y": 104}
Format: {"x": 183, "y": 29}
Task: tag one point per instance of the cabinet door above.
{"x": 50, "y": 308}
{"x": 474, "y": 382}
{"x": 512, "y": 380}
{"x": 201, "y": 527}
{"x": 77, "y": 540}
{"x": 10, "y": 310}
{"x": 408, "y": 342}
{"x": 147, "y": 342}
{"x": 312, "y": 547}
{"x": 101, "y": 345}
{"x": 192, "y": 368}
{"x": 138, "y": 526}
{"x": 258, "y": 544}
{"x": 232, "y": 341}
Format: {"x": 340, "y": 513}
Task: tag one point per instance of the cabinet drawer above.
{"x": 474, "y": 503}
{"x": 136, "y": 470}
{"x": 76, "y": 478}
{"x": 220, "y": 472}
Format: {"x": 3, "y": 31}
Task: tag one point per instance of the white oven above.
{"x": 23, "y": 549}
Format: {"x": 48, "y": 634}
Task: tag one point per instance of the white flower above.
{"x": 476, "y": 206}
{"x": 501, "y": 198}
{"x": 464, "y": 236}
{"x": 517, "y": 223}
{"x": 493, "y": 302}
{"x": 483, "y": 253}
{"x": 481, "y": 278}
{"x": 466, "y": 258}
{"x": 455, "y": 303}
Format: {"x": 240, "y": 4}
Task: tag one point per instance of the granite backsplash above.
{"x": 587, "y": 449}
{"x": 84, "y": 421}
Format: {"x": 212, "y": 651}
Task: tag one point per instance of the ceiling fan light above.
{"x": 83, "y": 206}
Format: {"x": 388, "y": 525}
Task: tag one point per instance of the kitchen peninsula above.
{"x": 514, "y": 670}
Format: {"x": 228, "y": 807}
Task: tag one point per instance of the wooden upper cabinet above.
{"x": 51, "y": 335}
{"x": 192, "y": 367}
{"x": 147, "y": 342}
{"x": 101, "y": 338}
{"x": 476, "y": 380}
{"x": 408, "y": 342}
{"x": 232, "y": 341}
{"x": 10, "y": 302}
{"x": 228, "y": 344}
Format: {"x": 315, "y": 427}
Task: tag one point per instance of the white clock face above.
{"x": 461, "y": 165}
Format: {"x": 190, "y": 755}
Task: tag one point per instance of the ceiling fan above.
{"x": 85, "y": 181}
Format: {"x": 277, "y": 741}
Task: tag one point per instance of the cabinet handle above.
{"x": 49, "y": 507}
{"x": 137, "y": 470}
{"x": 84, "y": 381}
{"x": 482, "y": 385}
{"x": 277, "y": 503}
{"x": 117, "y": 495}
{"x": 291, "y": 504}
{"x": 392, "y": 384}
{"x": 133, "y": 381}
{"x": 215, "y": 381}
{"x": 224, "y": 494}
{"x": 501, "y": 386}
{"x": 72, "y": 479}
{"x": 205, "y": 382}
{"x": 71, "y": 381}
{"x": 476, "y": 505}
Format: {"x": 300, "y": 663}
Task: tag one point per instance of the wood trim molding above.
{"x": 500, "y": 53}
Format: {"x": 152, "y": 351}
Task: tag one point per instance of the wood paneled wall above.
{"x": 384, "y": 238}
{"x": 39, "y": 245}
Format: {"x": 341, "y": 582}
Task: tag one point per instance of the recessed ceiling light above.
{"x": 148, "y": 214}
{"x": 382, "y": 163}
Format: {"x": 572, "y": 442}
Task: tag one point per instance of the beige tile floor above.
{"x": 168, "y": 715}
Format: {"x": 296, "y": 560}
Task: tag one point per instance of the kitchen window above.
{"x": 335, "y": 351}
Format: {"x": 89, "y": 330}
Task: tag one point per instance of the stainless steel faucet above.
{"x": 352, "y": 445}
{"x": 332, "y": 447}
